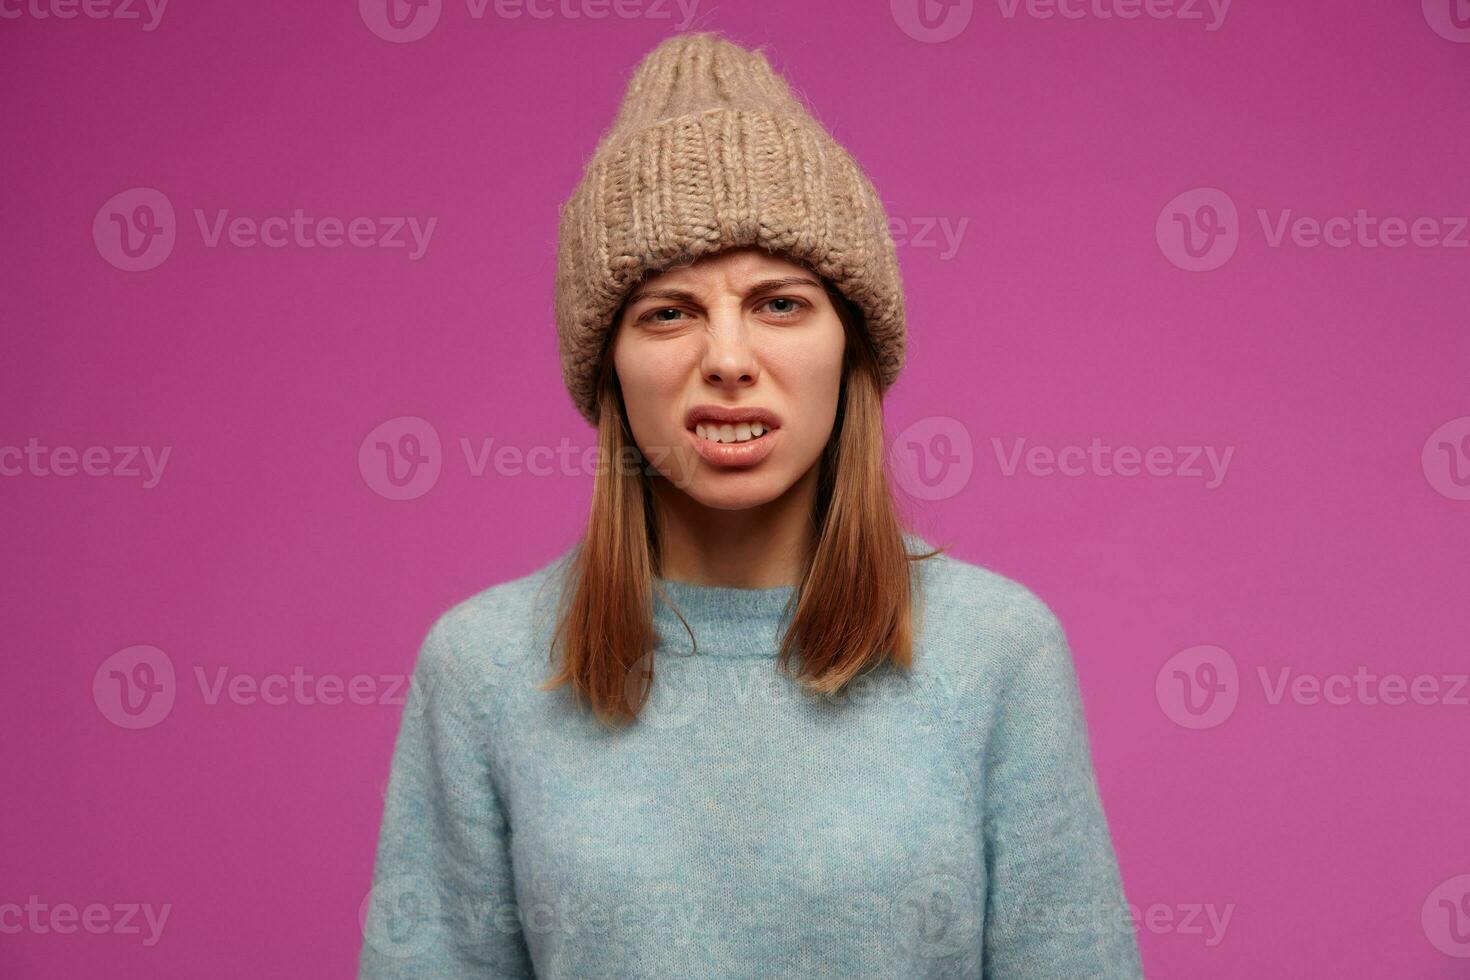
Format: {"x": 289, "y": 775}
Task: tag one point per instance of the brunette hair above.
{"x": 858, "y": 597}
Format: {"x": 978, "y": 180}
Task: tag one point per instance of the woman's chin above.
{"x": 724, "y": 491}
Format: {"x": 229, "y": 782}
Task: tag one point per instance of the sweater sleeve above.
{"x": 442, "y": 902}
{"x": 1055, "y": 905}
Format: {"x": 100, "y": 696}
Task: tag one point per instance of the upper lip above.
{"x": 731, "y": 416}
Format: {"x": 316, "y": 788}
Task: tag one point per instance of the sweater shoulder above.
{"x": 983, "y": 625}
{"x": 496, "y": 629}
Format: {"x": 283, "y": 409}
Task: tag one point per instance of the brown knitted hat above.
{"x": 711, "y": 150}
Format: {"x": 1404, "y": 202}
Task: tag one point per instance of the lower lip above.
{"x": 735, "y": 454}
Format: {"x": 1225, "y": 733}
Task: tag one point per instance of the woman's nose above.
{"x": 729, "y": 357}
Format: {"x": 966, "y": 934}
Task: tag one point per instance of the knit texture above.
{"x": 711, "y": 150}
{"x": 940, "y": 823}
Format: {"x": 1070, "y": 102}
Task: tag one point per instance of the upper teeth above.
{"x": 729, "y": 433}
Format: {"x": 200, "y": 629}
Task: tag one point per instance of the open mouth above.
{"x": 732, "y": 433}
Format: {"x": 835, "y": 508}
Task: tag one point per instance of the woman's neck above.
{"x": 750, "y": 548}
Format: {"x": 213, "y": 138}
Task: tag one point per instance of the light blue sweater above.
{"x": 940, "y": 823}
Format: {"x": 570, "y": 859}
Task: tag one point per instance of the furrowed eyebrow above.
{"x": 785, "y": 282}
{"x": 764, "y": 286}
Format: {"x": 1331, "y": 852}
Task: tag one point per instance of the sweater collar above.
{"x": 729, "y": 621}
{"x": 726, "y": 621}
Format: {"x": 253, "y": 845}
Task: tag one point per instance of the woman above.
{"x": 747, "y": 726}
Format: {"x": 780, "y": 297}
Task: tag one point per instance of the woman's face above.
{"x": 745, "y": 330}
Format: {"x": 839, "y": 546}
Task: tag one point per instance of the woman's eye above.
{"x": 787, "y": 307}
{"x": 782, "y": 306}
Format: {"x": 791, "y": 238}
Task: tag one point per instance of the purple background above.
{"x": 1336, "y": 834}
